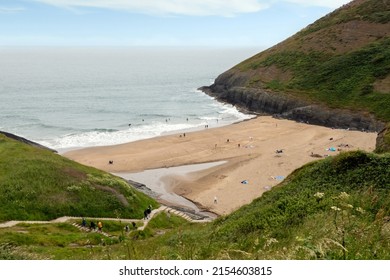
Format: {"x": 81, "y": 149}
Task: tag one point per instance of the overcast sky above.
{"x": 216, "y": 23}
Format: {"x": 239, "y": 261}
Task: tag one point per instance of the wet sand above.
{"x": 248, "y": 148}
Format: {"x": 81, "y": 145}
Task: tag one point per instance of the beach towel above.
{"x": 279, "y": 177}
{"x": 244, "y": 182}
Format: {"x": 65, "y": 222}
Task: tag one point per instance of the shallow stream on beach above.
{"x": 155, "y": 179}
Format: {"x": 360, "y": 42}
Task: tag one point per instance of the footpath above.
{"x": 166, "y": 209}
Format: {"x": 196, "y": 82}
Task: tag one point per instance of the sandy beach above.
{"x": 251, "y": 165}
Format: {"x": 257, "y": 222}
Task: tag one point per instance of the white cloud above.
{"x": 11, "y": 10}
{"x": 189, "y": 7}
{"x": 174, "y": 7}
{"x": 320, "y": 3}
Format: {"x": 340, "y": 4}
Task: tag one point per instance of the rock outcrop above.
{"x": 262, "y": 101}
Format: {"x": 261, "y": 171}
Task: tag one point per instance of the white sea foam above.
{"x": 106, "y": 138}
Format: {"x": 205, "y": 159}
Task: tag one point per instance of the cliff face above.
{"x": 334, "y": 73}
{"x": 263, "y": 101}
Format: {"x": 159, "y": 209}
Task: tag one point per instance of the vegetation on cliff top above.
{"x": 36, "y": 184}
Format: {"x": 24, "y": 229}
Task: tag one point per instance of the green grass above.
{"x": 36, "y": 184}
{"x": 64, "y": 241}
{"x": 52, "y": 241}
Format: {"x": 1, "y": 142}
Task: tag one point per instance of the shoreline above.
{"x": 211, "y": 124}
{"x": 248, "y": 147}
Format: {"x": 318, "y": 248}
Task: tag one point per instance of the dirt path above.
{"x": 145, "y": 222}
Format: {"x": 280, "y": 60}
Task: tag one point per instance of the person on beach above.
{"x": 215, "y": 200}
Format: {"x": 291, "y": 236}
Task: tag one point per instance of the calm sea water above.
{"x": 70, "y": 98}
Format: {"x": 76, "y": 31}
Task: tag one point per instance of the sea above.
{"x": 70, "y": 98}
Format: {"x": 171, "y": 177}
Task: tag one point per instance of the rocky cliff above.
{"x": 262, "y": 101}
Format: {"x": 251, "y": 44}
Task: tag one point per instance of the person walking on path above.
{"x": 100, "y": 226}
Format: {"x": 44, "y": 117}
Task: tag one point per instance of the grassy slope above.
{"x": 344, "y": 81}
{"x": 36, "y": 184}
{"x": 63, "y": 241}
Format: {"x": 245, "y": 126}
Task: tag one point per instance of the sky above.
{"x": 213, "y": 23}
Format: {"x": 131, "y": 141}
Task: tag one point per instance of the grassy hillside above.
{"x": 345, "y": 81}
{"x": 335, "y": 208}
{"x": 36, "y": 184}
{"x": 340, "y": 61}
